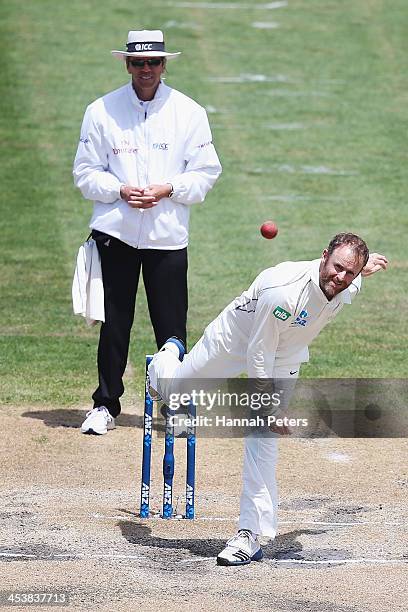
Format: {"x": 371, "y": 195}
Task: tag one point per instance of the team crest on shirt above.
{"x": 302, "y": 319}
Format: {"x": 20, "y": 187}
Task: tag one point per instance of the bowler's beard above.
{"x": 328, "y": 289}
{"x": 328, "y": 286}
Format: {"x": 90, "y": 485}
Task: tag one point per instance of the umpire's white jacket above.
{"x": 124, "y": 141}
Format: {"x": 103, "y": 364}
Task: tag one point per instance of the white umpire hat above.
{"x": 145, "y": 43}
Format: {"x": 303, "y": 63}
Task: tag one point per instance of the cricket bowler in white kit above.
{"x": 265, "y": 332}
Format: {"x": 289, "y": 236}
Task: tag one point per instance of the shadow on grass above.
{"x": 65, "y": 417}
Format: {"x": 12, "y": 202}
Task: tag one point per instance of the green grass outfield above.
{"x": 317, "y": 141}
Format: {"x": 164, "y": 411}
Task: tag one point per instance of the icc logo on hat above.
{"x": 143, "y": 47}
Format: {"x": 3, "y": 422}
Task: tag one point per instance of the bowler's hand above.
{"x": 375, "y": 262}
{"x": 137, "y": 197}
{"x": 281, "y": 430}
{"x": 158, "y": 191}
{"x": 281, "y": 424}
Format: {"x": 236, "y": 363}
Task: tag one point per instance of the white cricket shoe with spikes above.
{"x": 241, "y": 549}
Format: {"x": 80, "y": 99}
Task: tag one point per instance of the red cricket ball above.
{"x": 269, "y": 229}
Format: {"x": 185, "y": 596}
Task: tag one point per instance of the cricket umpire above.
{"x": 145, "y": 156}
{"x": 265, "y": 332}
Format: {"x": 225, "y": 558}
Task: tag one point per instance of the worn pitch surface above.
{"x": 68, "y": 518}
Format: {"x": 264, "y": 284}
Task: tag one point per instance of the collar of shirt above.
{"x": 160, "y": 93}
{"x": 343, "y": 296}
{"x": 144, "y": 103}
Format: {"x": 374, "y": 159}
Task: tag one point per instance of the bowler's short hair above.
{"x": 353, "y": 241}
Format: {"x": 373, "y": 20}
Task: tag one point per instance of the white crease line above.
{"x": 25, "y": 556}
{"x": 332, "y": 561}
{"x": 218, "y": 518}
{"x": 76, "y": 555}
{"x": 195, "y": 560}
{"x": 97, "y": 556}
{"x": 229, "y": 5}
{"x": 111, "y": 557}
{"x": 73, "y": 555}
{"x": 158, "y": 516}
{"x": 343, "y": 524}
{"x": 236, "y": 518}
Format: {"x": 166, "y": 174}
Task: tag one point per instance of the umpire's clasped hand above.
{"x": 137, "y": 198}
{"x": 148, "y": 197}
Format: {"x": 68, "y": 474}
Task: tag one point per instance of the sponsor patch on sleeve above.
{"x": 281, "y": 314}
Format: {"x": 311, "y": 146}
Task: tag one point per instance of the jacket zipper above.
{"x": 146, "y": 139}
{"x": 146, "y": 166}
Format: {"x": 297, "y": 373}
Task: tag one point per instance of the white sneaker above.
{"x": 241, "y": 549}
{"x": 98, "y": 421}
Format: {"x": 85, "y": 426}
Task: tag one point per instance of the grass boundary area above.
{"x": 307, "y": 119}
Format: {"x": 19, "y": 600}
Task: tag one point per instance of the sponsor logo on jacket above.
{"x": 301, "y": 319}
{"x": 204, "y": 144}
{"x": 281, "y": 314}
{"x": 162, "y": 146}
{"x": 124, "y": 149}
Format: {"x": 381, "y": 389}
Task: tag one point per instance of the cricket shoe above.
{"x": 241, "y": 549}
{"x": 176, "y": 346}
{"x": 98, "y": 421}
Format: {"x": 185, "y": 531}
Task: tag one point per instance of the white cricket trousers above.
{"x": 259, "y": 495}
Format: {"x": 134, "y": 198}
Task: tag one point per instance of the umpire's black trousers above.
{"x": 165, "y": 279}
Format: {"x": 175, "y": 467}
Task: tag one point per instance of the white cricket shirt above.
{"x": 270, "y": 325}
